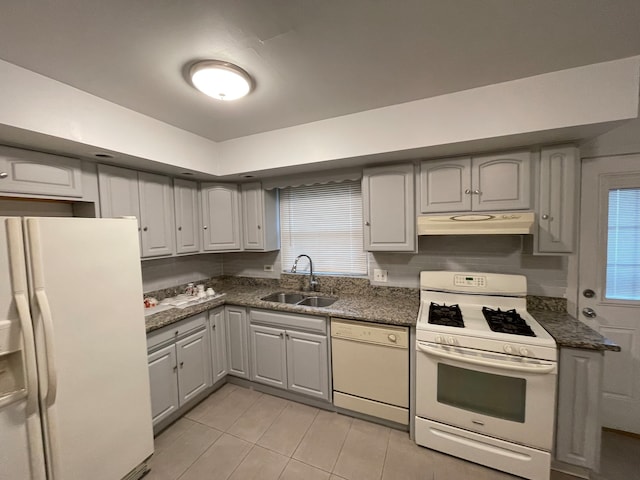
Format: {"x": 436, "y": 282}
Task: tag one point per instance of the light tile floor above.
{"x": 241, "y": 434}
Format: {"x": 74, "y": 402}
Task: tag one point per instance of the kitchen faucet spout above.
{"x": 313, "y": 283}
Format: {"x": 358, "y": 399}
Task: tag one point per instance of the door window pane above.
{"x": 489, "y": 394}
{"x": 623, "y": 245}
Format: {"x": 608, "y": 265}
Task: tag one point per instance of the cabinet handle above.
{"x": 145, "y": 229}
{"x": 4, "y": 174}
{"x": 181, "y": 364}
{"x": 179, "y": 229}
{"x": 205, "y": 227}
{"x": 467, "y": 191}
{"x": 367, "y": 224}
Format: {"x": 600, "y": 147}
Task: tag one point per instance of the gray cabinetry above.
{"x": 290, "y": 351}
{"x": 163, "y": 379}
{"x": 118, "y": 192}
{"x": 260, "y": 228}
{"x": 237, "y": 341}
{"x": 186, "y": 201}
{"x": 220, "y": 217}
{"x": 482, "y": 183}
{"x": 388, "y": 208}
{"x": 579, "y": 418}
{"x": 558, "y": 179}
{"x": 194, "y": 365}
{"x": 218, "y": 339}
{"x": 24, "y": 171}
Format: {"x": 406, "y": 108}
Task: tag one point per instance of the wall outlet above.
{"x": 268, "y": 268}
{"x": 379, "y": 275}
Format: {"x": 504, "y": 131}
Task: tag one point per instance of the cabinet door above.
{"x": 252, "y": 217}
{"x": 237, "y": 342}
{"x": 163, "y": 380}
{"x": 218, "y": 344}
{"x": 307, "y": 364}
{"x": 220, "y": 217}
{"x": 557, "y": 192}
{"x": 501, "y": 182}
{"x": 445, "y": 185}
{"x": 388, "y": 208}
{"x": 156, "y": 214}
{"x": 268, "y": 356}
{"x": 194, "y": 365}
{"x": 118, "y": 192}
{"x": 24, "y": 171}
{"x": 185, "y": 195}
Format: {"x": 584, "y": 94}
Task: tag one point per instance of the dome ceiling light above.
{"x": 220, "y": 80}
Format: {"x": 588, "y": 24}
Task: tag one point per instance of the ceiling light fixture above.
{"x": 220, "y": 80}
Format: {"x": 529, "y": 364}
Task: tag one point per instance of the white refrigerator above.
{"x": 74, "y": 385}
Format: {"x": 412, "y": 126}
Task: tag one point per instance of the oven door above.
{"x": 499, "y": 395}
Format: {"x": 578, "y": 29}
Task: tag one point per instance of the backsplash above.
{"x": 251, "y": 264}
{"x": 168, "y": 272}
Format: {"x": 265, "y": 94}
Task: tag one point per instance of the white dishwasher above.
{"x": 371, "y": 369}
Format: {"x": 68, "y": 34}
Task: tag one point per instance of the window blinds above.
{"x": 623, "y": 245}
{"x": 324, "y": 222}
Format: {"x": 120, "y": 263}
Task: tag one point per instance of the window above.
{"x": 324, "y": 222}
{"x": 623, "y": 245}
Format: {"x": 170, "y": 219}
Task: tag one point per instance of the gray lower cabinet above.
{"x": 179, "y": 365}
{"x": 218, "y": 337}
{"x": 284, "y": 356}
{"x": 237, "y": 341}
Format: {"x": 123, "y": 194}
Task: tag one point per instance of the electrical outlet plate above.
{"x": 268, "y": 268}
{"x": 379, "y": 275}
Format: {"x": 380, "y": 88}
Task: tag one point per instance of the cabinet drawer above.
{"x": 295, "y": 321}
{"x": 23, "y": 171}
{"x": 178, "y": 329}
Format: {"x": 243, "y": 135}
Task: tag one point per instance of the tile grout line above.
{"x": 386, "y": 452}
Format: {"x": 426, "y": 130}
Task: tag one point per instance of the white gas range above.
{"x": 485, "y": 373}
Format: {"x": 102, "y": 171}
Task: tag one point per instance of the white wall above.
{"x": 169, "y": 272}
{"x": 620, "y": 141}
{"x": 251, "y": 264}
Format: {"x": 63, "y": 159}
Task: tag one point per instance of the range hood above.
{"x": 514, "y": 223}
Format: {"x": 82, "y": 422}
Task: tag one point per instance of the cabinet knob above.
{"x": 367, "y": 224}
{"x": 545, "y": 216}
{"x": 4, "y": 174}
{"x": 477, "y": 192}
{"x": 467, "y": 191}
{"x": 175, "y": 368}
{"x": 259, "y": 227}
{"x": 392, "y": 338}
{"x": 145, "y": 229}
{"x": 205, "y": 227}
{"x": 213, "y": 327}
{"x": 181, "y": 364}
{"x": 589, "y": 312}
{"x": 179, "y": 229}
{"x": 281, "y": 334}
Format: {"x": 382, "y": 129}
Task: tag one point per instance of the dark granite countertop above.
{"x": 571, "y": 332}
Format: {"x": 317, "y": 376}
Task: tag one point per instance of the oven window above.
{"x": 486, "y": 393}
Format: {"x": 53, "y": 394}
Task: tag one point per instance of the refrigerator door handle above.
{"x": 47, "y": 323}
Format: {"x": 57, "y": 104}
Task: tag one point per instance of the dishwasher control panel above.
{"x": 370, "y": 333}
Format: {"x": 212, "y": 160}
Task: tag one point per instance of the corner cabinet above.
{"x": 290, "y": 351}
{"x": 388, "y": 208}
{"x": 220, "y": 217}
{"x": 479, "y": 184}
{"x": 260, "y": 218}
{"x": 218, "y": 337}
{"x": 237, "y": 341}
{"x": 186, "y": 206}
{"x": 558, "y": 190}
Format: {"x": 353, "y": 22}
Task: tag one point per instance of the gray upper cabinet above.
{"x": 480, "y": 184}
{"x": 218, "y": 339}
{"x": 260, "y": 218}
{"x": 237, "y": 341}
{"x": 268, "y": 356}
{"x": 185, "y": 197}
{"x": 388, "y": 208}
{"x": 220, "y": 217}
{"x": 156, "y": 214}
{"x": 557, "y": 199}
{"x": 27, "y": 172}
{"x": 307, "y": 364}
{"x": 148, "y": 197}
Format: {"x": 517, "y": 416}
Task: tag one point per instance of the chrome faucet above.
{"x": 313, "y": 283}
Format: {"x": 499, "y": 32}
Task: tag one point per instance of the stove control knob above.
{"x": 452, "y": 341}
{"x": 524, "y": 352}
{"x": 438, "y": 339}
{"x": 508, "y": 349}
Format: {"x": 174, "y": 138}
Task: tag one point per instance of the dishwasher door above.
{"x": 371, "y": 369}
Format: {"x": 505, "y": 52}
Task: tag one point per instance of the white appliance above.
{"x": 74, "y": 385}
{"x": 486, "y": 373}
{"x": 504, "y": 223}
{"x": 371, "y": 369}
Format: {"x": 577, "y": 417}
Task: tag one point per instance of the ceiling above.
{"x": 311, "y": 60}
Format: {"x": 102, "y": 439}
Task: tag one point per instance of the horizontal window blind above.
{"x": 623, "y": 245}
{"x": 324, "y": 222}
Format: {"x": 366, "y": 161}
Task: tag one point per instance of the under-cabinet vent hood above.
{"x": 514, "y": 223}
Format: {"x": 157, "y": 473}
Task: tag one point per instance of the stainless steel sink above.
{"x": 299, "y": 299}
{"x": 317, "y": 301}
{"x": 281, "y": 297}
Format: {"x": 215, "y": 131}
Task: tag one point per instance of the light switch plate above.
{"x": 379, "y": 275}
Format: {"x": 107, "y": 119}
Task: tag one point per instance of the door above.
{"x": 268, "y": 356}
{"x": 609, "y": 285}
{"x": 185, "y": 193}
{"x": 156, "y": 214}
{"x": 307, "y": 364}
{"x": 388, "y": 208}
{"x": 252, "y": 217}
{"x": 445, "y": 185}
{"x": 163, "y": 380}
{"x": 501, "y": 182}
{"x": 220, "y": 217}
{"x": 194, "y": 360}
{"x": 237, "y": 343}
{"x": 218, "y": 344}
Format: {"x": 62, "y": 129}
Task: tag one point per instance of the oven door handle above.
{"x": 529, "y": 368}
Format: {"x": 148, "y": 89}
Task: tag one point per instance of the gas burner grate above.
{"x": 508, "y": 321}
{"x": 448, "y": 315}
